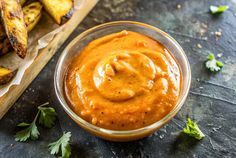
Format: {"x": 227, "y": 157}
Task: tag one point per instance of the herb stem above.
{"x": 36, "y": 117}
{"x": 47, "y": 103}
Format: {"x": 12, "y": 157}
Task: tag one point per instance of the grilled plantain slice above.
{"x": 60, "y": 10}
{"x": 22, "y": 2}
{"x": 5, "y": 45}
{"x": 6, "y": 75}
{"x": 13, "y": 20}
{"x": 32, "y": 14}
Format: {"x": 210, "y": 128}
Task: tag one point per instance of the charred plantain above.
{"x": 6, "y": 75}
{"x": 5, "y": 45}
{"x": 32, "y": 14}
{"x": 13, "y": 21}
{"x": 60, "y": 10}
{"x": 22, "y": 2}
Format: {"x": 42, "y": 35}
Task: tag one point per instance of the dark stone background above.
{"x": 212, "y": 100}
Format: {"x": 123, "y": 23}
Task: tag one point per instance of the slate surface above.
{"x": 212, "y": 100}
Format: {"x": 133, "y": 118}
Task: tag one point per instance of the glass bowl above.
{"x": 75, "y": 47}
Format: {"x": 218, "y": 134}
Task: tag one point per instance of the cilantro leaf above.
{"x": 212, "y": 64}
{"x": 62, "y": 145}
{"x": 47, "y": 116}
{"x": 30, "y": 132}
{"x": 218, "y": 9}
{"x": 193, "y": 130}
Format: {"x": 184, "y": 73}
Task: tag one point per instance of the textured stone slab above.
{"x": 211, "y": 102}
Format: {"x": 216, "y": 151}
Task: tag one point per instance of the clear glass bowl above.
{"x": 75, "y": 47}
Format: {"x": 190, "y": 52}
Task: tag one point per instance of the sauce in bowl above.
{"x": 123, "y": 81}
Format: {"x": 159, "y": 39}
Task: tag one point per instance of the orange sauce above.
{"x": 123, "y": 81}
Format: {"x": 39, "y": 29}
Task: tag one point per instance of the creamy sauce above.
{"x": 123, "y": 81}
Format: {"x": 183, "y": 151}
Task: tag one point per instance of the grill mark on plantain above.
{"x": 67, "y": 16}
{"x": 14, "y": 15}
{"x": 17, "y": 45}
{"x": 27, "y": 24}
{"x": 33, "y": 7}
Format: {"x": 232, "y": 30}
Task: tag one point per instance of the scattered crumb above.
{"x": 218, "y": 34}
{"x": 202, "y": 32}
{"x": 178, "y": 6}
{"x": 198, "y": 79}
{"x": 203, "y": 29}
{"x": 219, "y": 55}
{"x": 199, "y": 46}
{"x": 204, "y": 25}
{"x": 161, "y": 136}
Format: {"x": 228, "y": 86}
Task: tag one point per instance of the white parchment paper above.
{"x": 39, "y": 38}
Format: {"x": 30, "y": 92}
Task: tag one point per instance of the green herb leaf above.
{"x": 193, "y": 130}
{"x": 212, "y": 64}
{"x": 30, "y": 132}
{"x": 62, "y": 145}
{"x": 218, "y": 9}
{"x": 23, "y": 124}
{"x": 211, "y": 56}
{"x": 47, "y": 116}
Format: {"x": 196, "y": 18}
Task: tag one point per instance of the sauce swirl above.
{"x": 123, "y": 81}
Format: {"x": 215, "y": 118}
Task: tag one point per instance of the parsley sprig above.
{"x": 193, "y": 130}
{"x": 61, "y": 145}
{"x": 212, "y": 64}
{"x": 47, "y": 116}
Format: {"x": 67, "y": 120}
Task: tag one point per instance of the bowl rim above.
{"x": 94, "y": 128}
